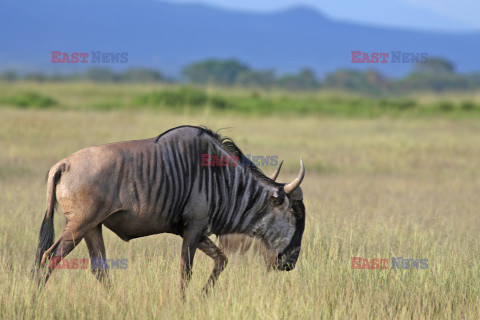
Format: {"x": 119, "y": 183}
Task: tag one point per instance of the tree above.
{"x": 8, "y": 75}
{"x": 261, "y": 79}
{"x": 100, "y": 75}
{"x": 369, "y": 81}
{"x": 303, "y": 80}
{"x": 436, "y": 74}
{"x": 435, "y": 66}
{"x": 35, "y": 76}
{"x": 222, "y": 72}
{"x": 141, "y": 75}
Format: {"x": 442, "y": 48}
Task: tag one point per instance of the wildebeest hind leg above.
{"x": 211, "y": 250}
{"x": 60, "y": 249}
{"x": 96, "y": 249}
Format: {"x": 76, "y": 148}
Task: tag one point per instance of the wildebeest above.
{"x": 144, "y": 187}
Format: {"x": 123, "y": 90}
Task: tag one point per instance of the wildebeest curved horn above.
{"x": 276, "y": 172}
{"x": 296, "y": 182}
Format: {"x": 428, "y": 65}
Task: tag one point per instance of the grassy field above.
{"x": 234, "y": 101}
{"x": 378, "y": 187}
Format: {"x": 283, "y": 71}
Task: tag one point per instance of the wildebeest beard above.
{"x": 285, "y": 260}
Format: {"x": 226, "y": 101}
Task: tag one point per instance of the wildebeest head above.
{"x": 288, "y": 215}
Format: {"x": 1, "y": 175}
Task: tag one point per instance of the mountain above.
{"x": 168, "y": 36}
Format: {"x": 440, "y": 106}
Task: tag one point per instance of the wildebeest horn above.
{"x": 296, "y": 182}
{"x": 276, "y": 172}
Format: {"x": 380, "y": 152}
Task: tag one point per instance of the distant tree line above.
{"x": 234, "y": 73}
{"x": 93, "y": 74}
{"x": 436, "y": 74}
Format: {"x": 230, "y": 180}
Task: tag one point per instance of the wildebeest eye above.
{"x": 277, "y": 199}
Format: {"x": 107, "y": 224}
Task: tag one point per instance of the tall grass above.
{"x": 375, "y": 188}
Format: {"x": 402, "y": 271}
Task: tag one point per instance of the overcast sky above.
{"x": 453, "y": 15}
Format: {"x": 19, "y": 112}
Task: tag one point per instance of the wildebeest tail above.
{"x": 47, "y": 233}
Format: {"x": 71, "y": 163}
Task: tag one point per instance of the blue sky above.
{"x": 449, "y": 15}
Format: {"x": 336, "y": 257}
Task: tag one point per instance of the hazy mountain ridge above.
{"x": 169, "y": 36}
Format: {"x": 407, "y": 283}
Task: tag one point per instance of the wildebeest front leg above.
{"x": 211, "y": 250}
{"x": 191, "y": 238}
{"x": 96, "y": 249}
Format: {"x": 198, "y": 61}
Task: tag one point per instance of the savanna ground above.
{"x": 376, "y": 187}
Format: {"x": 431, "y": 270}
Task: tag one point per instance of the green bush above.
{"x": 401, "y": 104}
{"x": 106, "y": 105}
{"x": 404, "y": 104}
{"x": 218, "y": 102}
{"x": 467, "y": 105}
{"x": 184, "y": 96}
{"x": 29, "y": 99}
{"x": 446, "y": 106}
{"x": 173, "y": 97}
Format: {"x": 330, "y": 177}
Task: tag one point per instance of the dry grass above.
{"x": 374, "y": 188}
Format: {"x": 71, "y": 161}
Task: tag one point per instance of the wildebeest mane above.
{"x": 231, "y": 148}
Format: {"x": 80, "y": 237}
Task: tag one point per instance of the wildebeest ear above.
{"x": 296, "y": 194}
